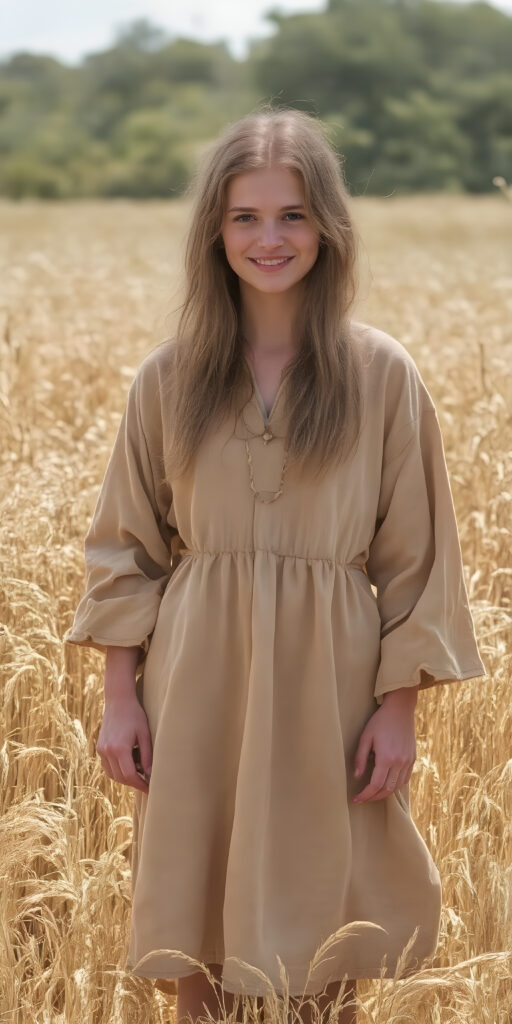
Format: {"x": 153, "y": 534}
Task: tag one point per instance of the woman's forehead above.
{"x": 268, "y": 186}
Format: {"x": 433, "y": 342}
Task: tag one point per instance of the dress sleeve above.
{"x": 415, "y": 562}
{"x": 128, "y": 544}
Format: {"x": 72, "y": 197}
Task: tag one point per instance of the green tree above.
{"x": 417, "y": 93}
{"x": 146, "y": 157}
{"x": 484, "y": 116}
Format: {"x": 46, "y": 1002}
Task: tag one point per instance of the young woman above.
{"x": 291, "y": 459}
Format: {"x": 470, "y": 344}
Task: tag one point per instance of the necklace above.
{"x": 266, "y": 436}
{"x": 275, "y": 494}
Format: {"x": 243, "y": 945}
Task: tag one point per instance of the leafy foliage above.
{"x": 418, "y": 94}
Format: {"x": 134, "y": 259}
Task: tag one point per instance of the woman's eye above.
{"x": 242, "y": 215}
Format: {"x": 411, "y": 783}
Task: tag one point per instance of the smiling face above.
{"x": 273, "y": 225}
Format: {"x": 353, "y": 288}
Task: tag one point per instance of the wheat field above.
{"x": 87, "y": 289}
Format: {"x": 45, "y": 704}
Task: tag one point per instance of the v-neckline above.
{"x": 267, "y": 416}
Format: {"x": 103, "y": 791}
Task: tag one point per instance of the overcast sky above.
{"x": 68, "y": 29}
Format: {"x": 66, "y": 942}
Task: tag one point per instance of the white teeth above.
{"x": 272, "y": 263}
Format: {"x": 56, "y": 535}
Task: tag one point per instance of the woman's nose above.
{"x": 271, "y": 233}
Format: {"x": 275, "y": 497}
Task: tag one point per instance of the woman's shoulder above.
{"x": 158, "y": 361}
{"x": 379, "y": 347}
{"x": 389, "y": 370}
{"x": 154, "y": 372}
{"x": 148, "y": 399}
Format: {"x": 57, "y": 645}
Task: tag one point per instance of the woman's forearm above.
{"x": 120, "y": 668}
{"x": 405, "y": 696}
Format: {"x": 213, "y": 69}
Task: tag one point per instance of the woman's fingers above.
{"x": 363, "y": 751}
{"x": 144, "y": 749}
{"x": 121, "y": 767}
{"x": 129, "y": 773}
{"x": 382, "y": 784}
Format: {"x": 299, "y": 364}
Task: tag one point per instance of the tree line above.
{"x": 417, "y": 95}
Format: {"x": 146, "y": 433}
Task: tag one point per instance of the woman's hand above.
{"x": 390, "y": 732}
{"x": 124, "y": 725}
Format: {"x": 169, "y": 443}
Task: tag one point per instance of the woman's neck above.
{"x": 267, "y": 322}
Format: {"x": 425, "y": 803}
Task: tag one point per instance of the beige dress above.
{"x": 265, "y": 650}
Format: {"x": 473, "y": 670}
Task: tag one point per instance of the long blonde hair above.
{"x": 323, "y": 381}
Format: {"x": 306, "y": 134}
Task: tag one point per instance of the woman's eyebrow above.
{"x": 252, "y": 209}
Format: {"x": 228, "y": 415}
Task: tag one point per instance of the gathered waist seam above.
{"x": 196, "y": 553}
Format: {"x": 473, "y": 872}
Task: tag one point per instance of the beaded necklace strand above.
{"x": 266, "y": 436}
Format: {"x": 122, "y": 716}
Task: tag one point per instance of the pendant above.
{"x": 267, "y": 436}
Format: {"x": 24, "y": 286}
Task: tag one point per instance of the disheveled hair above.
{"x": 209, "y": 372}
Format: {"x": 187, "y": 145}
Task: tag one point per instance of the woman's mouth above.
{"x": 269, "y": 265}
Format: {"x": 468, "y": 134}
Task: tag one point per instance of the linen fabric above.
{"x": 266, "y": 644}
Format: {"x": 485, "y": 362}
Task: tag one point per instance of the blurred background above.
{"x": 114, "y": 98}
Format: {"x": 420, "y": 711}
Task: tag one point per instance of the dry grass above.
{"x": 87, "y": 290}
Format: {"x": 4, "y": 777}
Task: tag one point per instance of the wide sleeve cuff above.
{"x": 91, "y": 625}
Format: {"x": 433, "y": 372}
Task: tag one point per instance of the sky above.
{"x": 68, "y": 29}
